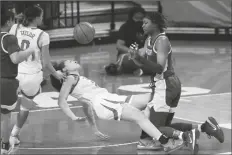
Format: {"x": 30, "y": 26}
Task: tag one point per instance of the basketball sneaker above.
{"x": 173, "y": 145}
{"x": 211, "y": 128}
{"x": 191, "y": 138}
{"x": 14, "y": 141}
{"x": 149, "y": 145}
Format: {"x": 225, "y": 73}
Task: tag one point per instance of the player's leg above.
{"x": 128, "y": 66}
{"x": 5, "y": 132}
{"x": 130, "y": 113}
{"x": 163, "y": 93}
{"x": 29, "y": 88}
{"x": 107, "y": 111}
{"x": 210, "y": 126}
{"x": 140, "y": 101}
{"x": 8, "y": 103}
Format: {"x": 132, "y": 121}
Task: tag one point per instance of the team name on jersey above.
{"x": 27, "y": 33}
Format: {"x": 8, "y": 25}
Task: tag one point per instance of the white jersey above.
{"x": 34, "y": 38}
{"x": 87, "y": 88}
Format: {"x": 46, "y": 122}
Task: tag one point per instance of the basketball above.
{"x": 84, "y": 33}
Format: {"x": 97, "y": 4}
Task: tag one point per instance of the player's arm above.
{"x": 46, "y": 58}
{"x": 88, "y": 110}
{"x": 163, "y": 47}
{"x": 13, "y": 49}
{"x": 63, "y": 95}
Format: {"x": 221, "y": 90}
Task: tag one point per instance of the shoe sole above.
{"x": 177, "y": 148}
{"x": 140, "y": 147}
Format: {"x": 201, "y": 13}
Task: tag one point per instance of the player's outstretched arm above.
{"x": 64, "y": 93}
{"x": 46, "y": 61}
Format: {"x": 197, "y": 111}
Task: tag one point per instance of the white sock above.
{"x": 199, "y": 127}
{"x": 180, "y": 135}
{"x": 15, "y": 131}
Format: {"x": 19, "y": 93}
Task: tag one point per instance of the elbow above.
{"x": 15, "y": 60}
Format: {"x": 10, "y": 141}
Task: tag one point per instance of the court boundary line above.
{"x": 112, "y": 145}
{"x": 79, "y": 147}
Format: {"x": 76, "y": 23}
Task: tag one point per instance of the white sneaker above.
{"x": 14, "y": 141}
{"x": 4, "y": 151}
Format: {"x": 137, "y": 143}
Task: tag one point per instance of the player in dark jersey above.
{"x": 165, "y": 85}
{"x": 10, "y": 57}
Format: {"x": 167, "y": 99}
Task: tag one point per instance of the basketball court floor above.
{"x": 205, "y": 72}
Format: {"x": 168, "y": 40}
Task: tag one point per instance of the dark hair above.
{"x": 57, "y": 84}
{"x": 6, "y": 15}
{"x": 31, "y": 13}
{"x": 135, "y": 10}
{"x": 158, "y": 19}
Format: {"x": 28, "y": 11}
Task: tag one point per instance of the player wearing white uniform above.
{"x": 107, "y": 106}
{"x": 30, "y": 74}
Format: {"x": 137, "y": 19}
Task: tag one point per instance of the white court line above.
{"x": 225, "y": 153}
{"x": 194, "y": 96}
{"x": 84, "y": 147}
{"x": 50, "y": 109}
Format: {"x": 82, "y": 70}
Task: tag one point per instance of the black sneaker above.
{"x": 211, "y": 128}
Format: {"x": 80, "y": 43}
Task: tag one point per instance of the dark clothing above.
{"x": 131, "y": 32}
{"x": 9, "y": 95}
{"x": 10, "y": 45}
{"x": 9, "y": 71}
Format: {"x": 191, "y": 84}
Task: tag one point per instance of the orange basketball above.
{"x": 84, "y": 33}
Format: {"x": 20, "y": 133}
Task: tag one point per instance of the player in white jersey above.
{"x": 30, "y": 74}
{"x": 107, "y": 106}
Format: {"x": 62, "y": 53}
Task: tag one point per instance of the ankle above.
{"x": 5, "y": 145}
{"x": 15, "y": 131}
{"x": 163, "y": 139}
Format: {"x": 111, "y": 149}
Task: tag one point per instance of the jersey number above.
{"x": 25, "y": 45}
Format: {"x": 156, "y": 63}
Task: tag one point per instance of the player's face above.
{"x": 148, "y": 26}
{"x": 71, "y": 65}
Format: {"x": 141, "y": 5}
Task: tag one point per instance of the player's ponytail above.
{"x": 57, "y": 84}
{"x": 30, "y": 14}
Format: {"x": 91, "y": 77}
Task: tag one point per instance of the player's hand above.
{"x": 133, "y": 50}
{"x": 60, "y": 76}
{"x": 101, "y": 136}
